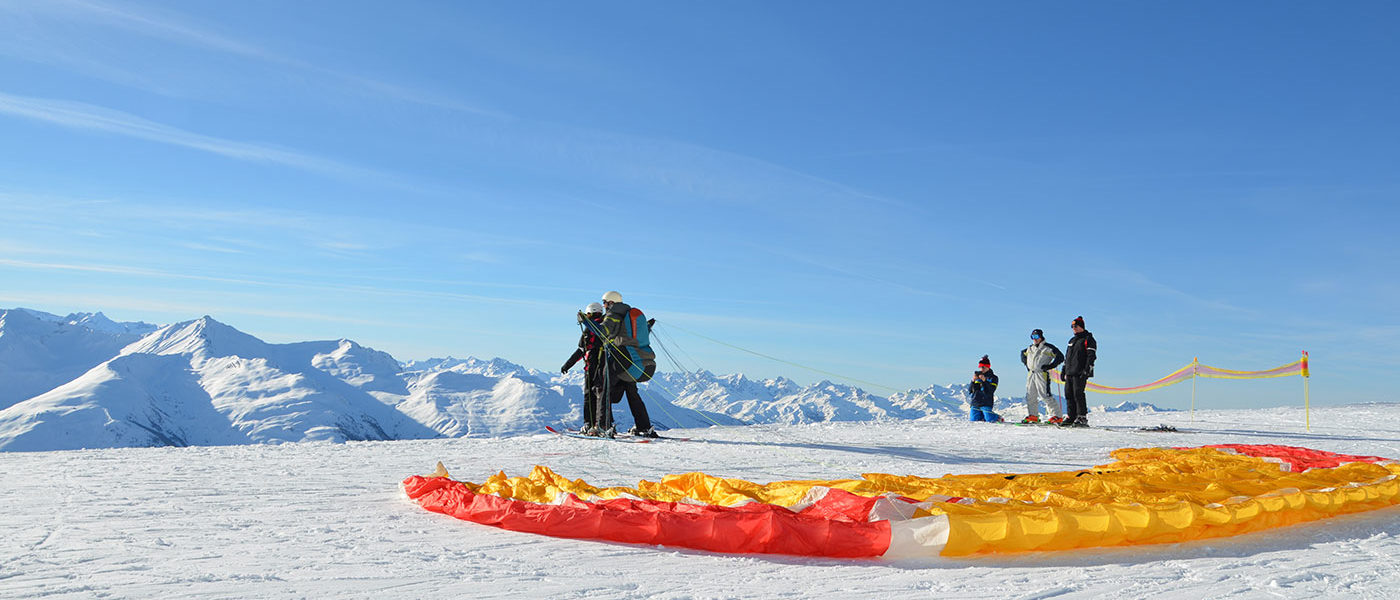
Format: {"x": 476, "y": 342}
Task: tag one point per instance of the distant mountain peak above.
{"x": 204, "y": 337}
{"x": 1129, "y": 406}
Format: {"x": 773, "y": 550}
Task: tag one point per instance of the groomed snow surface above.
{"x": 324, "y": 520}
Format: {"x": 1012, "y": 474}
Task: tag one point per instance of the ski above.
{"x": 658, "y": 437}
{"x": 1158, "y": 429}
{"x": 623, "y": 439}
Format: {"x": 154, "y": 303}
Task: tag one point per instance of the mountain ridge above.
{"x": 203, "y": 382}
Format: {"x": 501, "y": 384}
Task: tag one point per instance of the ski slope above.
{"x": 329, "y": 520}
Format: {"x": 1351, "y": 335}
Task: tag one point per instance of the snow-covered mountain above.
{"x": 782, "y": 400}
{"x": 475, "y": 398}
{"x": 94, "y": 321}
{"x": 1126, "y": 406}
{"x": 84, "y": 381}
{"x": 496, "y": 367}
{"x": 40, "y": 351}
{"x": 204, "y": 383}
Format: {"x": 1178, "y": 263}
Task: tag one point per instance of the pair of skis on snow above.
{"x": 621, "y": 437}
{"x": 1158, "y": 429}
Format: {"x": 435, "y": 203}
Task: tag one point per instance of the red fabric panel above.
{"x": 841, "y": 505}
{"x": 749, "y": 528}
{"x": 1302, "y": 459}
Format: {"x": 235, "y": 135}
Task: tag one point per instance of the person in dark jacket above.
{"x": 1040, "y": 357}
{"x": 982, "y": 392}
{"x": 1080, "y": 354}
{"x": 619, "y": 382}
{"x": 597, "y": 411}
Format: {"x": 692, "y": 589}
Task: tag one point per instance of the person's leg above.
{"x": 1032, "y": 398}
{"x": 602, "y": 410}
{"x": 639, "y": 409}
{"x": 1081, "y": 402}
{"x": 989, "y": 415}
{"x": 1076, "y": 405}
{"x": 1070, "y": 384}
{"x": 590, "y": 406}
{"x": 975, "y": 414}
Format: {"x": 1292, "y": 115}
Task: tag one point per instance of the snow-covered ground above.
{"x": 325, "y": 520}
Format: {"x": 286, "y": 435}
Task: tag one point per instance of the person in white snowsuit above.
{"x": 1039, "y": 358}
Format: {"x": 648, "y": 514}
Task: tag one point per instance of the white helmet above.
{"x": 593, "y": 309}
{"x": 612, "y": 297}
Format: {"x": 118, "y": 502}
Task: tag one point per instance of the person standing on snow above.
{"x": 1039, "y": 358}
{"x": 628, "y": 358}
{"x": 982, "y": 392}
{"x": 597, "y": 411}
{"x": 1080, "y": 355}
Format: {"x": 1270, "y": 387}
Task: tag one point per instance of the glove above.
{"x": 580, "y": 316}
{"x": 564, "y": 369}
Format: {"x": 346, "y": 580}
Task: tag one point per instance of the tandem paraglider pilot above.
{"x": 627, "y": 337}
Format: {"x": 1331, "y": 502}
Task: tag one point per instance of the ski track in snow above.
{"x": 329, "y": 520}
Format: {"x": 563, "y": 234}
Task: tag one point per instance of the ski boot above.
{"x": 1055, "y": 420}
{"x": 1031, "y": 420}
{"x": 610, "y": 433}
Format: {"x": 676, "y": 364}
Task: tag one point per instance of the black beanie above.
{"x": 1079, "y": 322}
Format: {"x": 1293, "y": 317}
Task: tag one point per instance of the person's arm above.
{"x": 573, "y": 360}
{"x": 1059, "y": 357}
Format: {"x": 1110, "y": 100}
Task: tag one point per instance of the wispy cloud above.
{"x": 682, "y": 169}
{"x": 155, "y": 26}
{"x": 864, "y": 273}
{"x": 839, "y": 329}
{"x": 211, "y": 248}
{"x": 1150, "y": 286}
{"x": 175, "y": 30}
{"x": 77, "y": 115}
{"x": 283, "y": 284}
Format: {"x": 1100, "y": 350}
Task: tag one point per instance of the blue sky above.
{"x": 884, "y": 191}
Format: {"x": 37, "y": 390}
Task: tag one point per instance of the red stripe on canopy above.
{"x": 827, "y": 528}
{"x": 1300, "y": 458}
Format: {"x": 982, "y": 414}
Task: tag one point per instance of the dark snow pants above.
{"x": 1075, "y": 403}
{"x": 634, "y": 402}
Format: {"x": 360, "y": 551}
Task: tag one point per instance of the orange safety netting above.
{"x": 1148, "y": 495}
{"x": 1196, "y": 369}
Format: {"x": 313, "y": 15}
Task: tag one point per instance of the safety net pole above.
{"x": 1194, "y": 363}
{"x": 1307, "y": 402}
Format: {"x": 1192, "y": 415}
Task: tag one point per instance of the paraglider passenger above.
{"x": 597, "y": 411}
{"x": 982, "y": 390}
{"x": 1039, "y": 358}
{"x": 1079, "y": 367}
